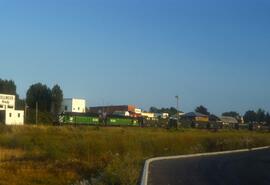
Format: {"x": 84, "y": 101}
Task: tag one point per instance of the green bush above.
{"x": 43, "y": 117}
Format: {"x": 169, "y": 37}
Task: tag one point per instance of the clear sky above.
{"x": 143, "y": 52}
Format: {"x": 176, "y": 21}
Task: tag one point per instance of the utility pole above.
{"x": 102, "y": 114}
{"x": 25, "y": 112}
{"x": 177, "y": 108}
{"x": 36, "y": 113}
{"x": 177, "y": 102}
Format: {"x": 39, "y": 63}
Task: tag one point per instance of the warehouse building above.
{"x": 197, "y": 117}
{"x": 229, "y": 121}
{"x": 8, "y": 114}
{"x": 73, "y": 105}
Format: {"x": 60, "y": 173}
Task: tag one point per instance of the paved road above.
{"x": 247, "y": 168}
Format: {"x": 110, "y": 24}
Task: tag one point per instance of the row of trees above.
{"x": 171, "y": 110}
{"x": 251, "y": 116}
{"x": 257, "y": 117}
{"x": 8, "y": 87}
{"x": 48, "y": 100}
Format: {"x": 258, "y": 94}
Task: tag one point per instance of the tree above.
{"x": 267, "y": 118}
{"x": 154, "y": 110}
{"x": 213, "y": 117}
{"x": 57, "y": 98}
{"x": 203, "y": 110}
{"x": 250, "y": 116}
{"x": 41, "y": 94}
{"x": 171, "y": 110}
{"x": 231, "y": 114}
{"x": 7, "y": 87}
{"x": 260, "y": 117}
{"x": 20, "y": 103}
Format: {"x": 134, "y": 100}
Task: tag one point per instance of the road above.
{"x": 245, "y": 168}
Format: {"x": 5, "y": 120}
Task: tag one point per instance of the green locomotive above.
{"x": 70, "y": 118}
{"x": 79, "y": 118}
{"x": 121, "y": 121}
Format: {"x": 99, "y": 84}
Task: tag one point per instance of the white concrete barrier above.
{"x": 144, "y": 179}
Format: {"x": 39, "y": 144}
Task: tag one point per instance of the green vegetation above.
{"x": 100, "y": 155}
{"x": 260, "y": 116}
{"x": 48, "y": 102}
{"x": 46, "y": 98}
{"x": 203, "y": 110}
{"x": 172, "y": 111}
{"x": 9, "y": 87}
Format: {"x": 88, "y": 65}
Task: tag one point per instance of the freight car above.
{"x": 94, "y": 119}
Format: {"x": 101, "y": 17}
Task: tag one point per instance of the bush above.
{"x": 43, "y": 117}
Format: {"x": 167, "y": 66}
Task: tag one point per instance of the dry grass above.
{"x": 7, "y": 154}
{"x": 92, "y": 155}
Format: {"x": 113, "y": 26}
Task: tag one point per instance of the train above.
{"x": 71, "y": 118}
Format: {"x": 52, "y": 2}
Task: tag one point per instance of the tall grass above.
{"x": 93, "y": 155}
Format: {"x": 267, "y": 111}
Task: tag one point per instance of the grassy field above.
{"x": 93, "y": 155}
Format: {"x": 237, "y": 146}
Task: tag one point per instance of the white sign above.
{"x": 7, "y": 101}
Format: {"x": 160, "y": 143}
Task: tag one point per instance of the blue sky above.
{"x": 143, "y": 52}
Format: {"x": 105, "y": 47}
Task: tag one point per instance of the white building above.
{"x": 149, "y": 115}
{"x": 138, "y": 111}
{"x": 73, "y": 105}
{"x": 8, "y": 114}
{"x": 162, "y": 115}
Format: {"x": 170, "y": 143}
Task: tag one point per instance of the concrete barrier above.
{"x": 145, "y": 172}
